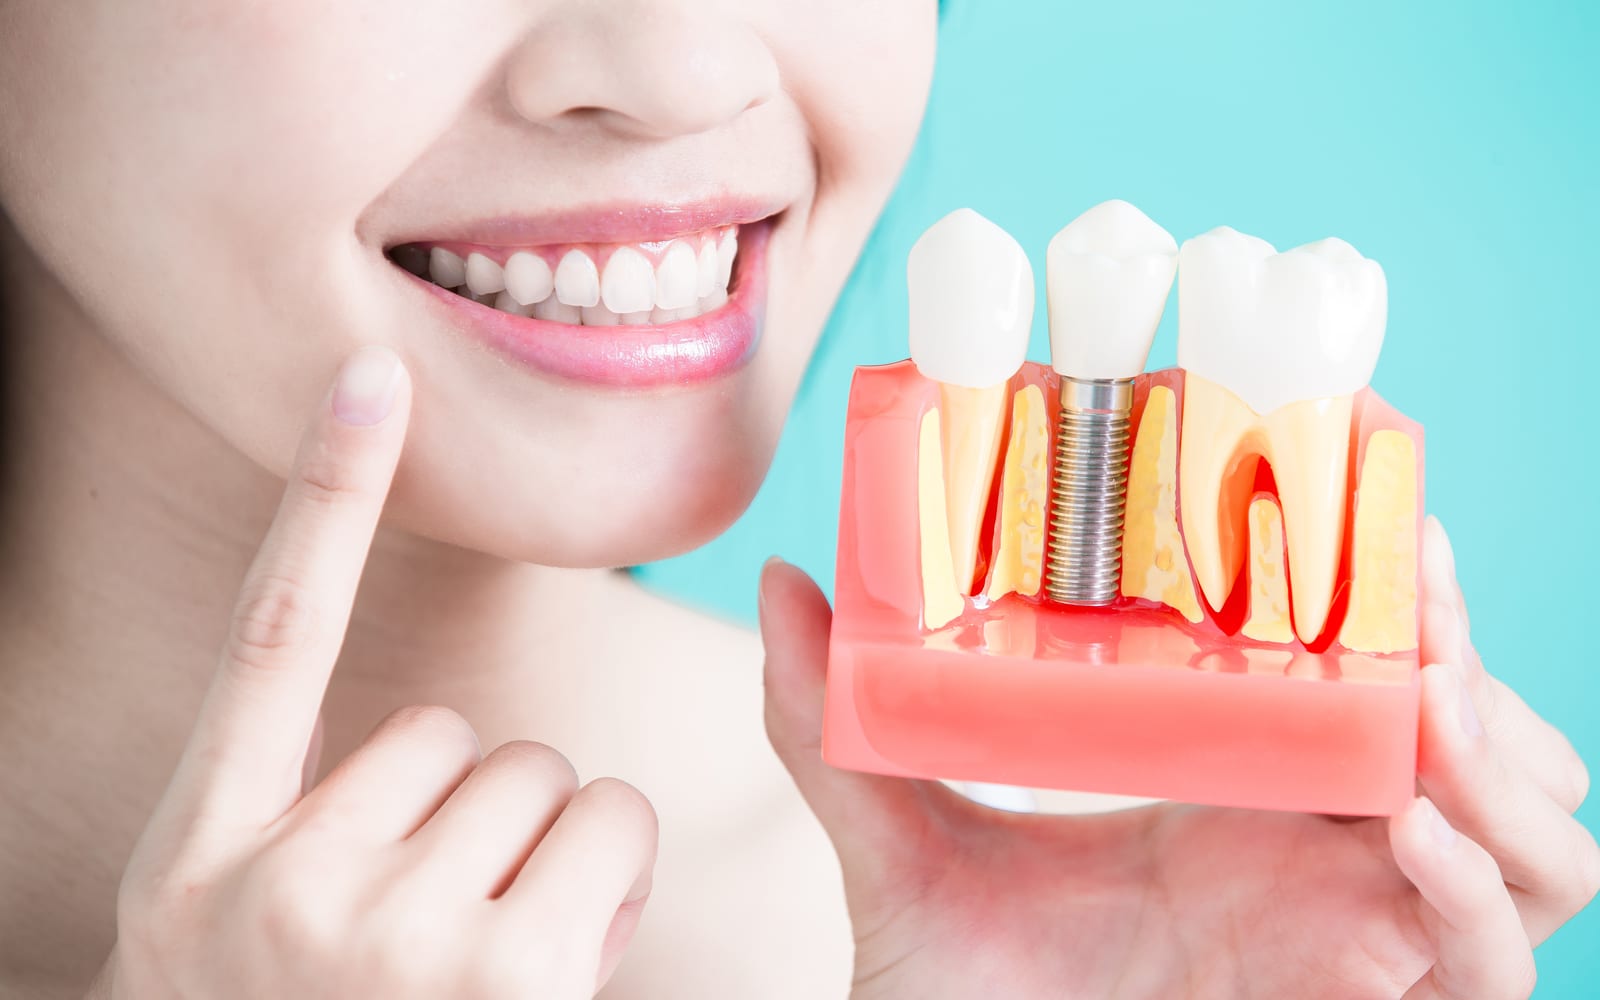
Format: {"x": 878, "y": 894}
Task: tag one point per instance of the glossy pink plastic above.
{"x": 1130, "y": 699}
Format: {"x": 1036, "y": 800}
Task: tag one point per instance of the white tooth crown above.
{"x": 629, "y": 282}
{"x": 676, "y": 276}
{"x": 577, "y": 279}
{"x": 529, "y": 278}
{"x": 1108, "y": 274}
{"x": 1276, "y": 328}
{"x": 484, "y": 276}
{"x": 650, "y": 283}
{"x": 971, "y": 299}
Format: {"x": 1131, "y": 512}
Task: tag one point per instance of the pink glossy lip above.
{"x": 681, "y": 353}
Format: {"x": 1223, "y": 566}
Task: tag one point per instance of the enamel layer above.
{"x": 622, "y": 284}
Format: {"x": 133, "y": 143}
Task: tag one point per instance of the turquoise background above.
{"x": 1456, "y": 143}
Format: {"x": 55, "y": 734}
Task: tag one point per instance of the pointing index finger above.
{"x": 250, "y": 740}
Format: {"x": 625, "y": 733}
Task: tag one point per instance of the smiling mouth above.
{"x": 646, "y": 283}
{"x": 681, "y": 306}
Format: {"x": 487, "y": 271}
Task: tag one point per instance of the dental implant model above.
{"x": 971, "y": 299}
{"x": 1108, "y": 275}
{"x": 1241, "y": 630}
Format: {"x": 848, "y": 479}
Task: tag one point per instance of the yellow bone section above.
{"x": 1018, "y": 564}
{"x": 1153, "y": 563}
{"x": 1383, "y": 569}
{"x": 972, "y": 422}
{"x": 941, "y": 601}
{"x": 1307, "y": 445}
{"x": 1268, "y": 617}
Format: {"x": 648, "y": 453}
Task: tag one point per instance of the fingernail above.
{"x": 368, "y": 384}
{"x": 1470, "y": 723}
{"x": 1443, "y": 833}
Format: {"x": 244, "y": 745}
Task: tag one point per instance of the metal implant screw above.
{"x": 1089, "y": 495}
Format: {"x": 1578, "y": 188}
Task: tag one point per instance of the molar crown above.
{"x": 1276, "y": 328}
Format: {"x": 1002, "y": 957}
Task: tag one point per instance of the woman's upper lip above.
{"x": 620, "y": 222}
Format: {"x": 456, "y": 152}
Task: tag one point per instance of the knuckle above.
{"x": 1578, "y": 780}
{"x": 542, "y": 765}
{"x": 617, "y": 803}
{"x": 1588, "y": 874}
{"x": 323, "y": 478}
{"x": 433, "y": 725}
{"x": 275, "y": 614}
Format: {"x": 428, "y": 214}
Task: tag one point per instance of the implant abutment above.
{"x": 1088, "y": 497}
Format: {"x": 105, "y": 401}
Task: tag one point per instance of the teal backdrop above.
{"x": 1454, "y": 142}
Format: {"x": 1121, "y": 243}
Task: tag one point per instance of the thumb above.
{"x": 879, "y": 826}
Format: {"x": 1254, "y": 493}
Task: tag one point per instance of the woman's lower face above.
{"x": 604, "y": 237}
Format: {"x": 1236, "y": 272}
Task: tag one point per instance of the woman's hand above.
{"x": 1446, "y": 900}
{"x": 417, "y": 868}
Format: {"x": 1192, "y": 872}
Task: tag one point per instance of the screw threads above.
{"x": 1089, "y": 495}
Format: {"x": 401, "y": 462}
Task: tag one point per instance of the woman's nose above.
{"x": 648, "y": 68}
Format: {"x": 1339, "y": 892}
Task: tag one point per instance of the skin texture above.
{"x": 950, "y": 899}
{"x": 196, "y": 201}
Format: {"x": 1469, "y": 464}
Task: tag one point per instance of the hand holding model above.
{"x": 1273, "y": 626}
{"x": 952, "y": 899}
{"x": 417, "y": 868}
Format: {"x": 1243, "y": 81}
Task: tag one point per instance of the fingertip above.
{"x": 368, "y": 385}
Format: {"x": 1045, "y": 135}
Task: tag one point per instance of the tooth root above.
{"x": 1267, "y": 619}
{"x": 941, "y": 602}
{"x": 1211, "y": 500}
{"x": 484, "y": 276}
{"x": 1310, "y": 456}
{"x": 577, "y": 281}
{"x": 973, "y": 420}
{"x": 528, "y": 278}
{"x": 446, "y": 269}
{"x": 1306, "y": 444}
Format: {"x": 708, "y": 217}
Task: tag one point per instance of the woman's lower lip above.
{"x": 681, "y": 353}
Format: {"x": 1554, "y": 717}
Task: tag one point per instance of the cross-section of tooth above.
{"x": 676, "y": 276}
{"x": 446, "y": 269}
{"x": 1274, "y": 346}
{"x": 971, "y": 298}
{"x": 528, "y": 278}
{"x": 1267, "y": 617}
{"x": 484, "y": 276}
{"x": 707, "y": 270}
{"x": 629, "y": 284}
{"x": 577, "y": 280}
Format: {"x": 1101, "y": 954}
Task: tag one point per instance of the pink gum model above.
{"x": 1133, "y": 698}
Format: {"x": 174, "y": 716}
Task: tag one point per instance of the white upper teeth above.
{"x": 971, "y": 298}
{"x": 528, "y": 278}
{"x": 577, "y": 279}
{"x": 445, "y": 268}
{"x": 629, "y": 284}
{"x": 1273, "y": 327}
{"x": 675, "y": 277}
{"x": 690, "y": 278}
{"x": 1107, "y": 278}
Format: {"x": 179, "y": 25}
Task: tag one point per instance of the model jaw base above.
{"x": 1140, "y": 698}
